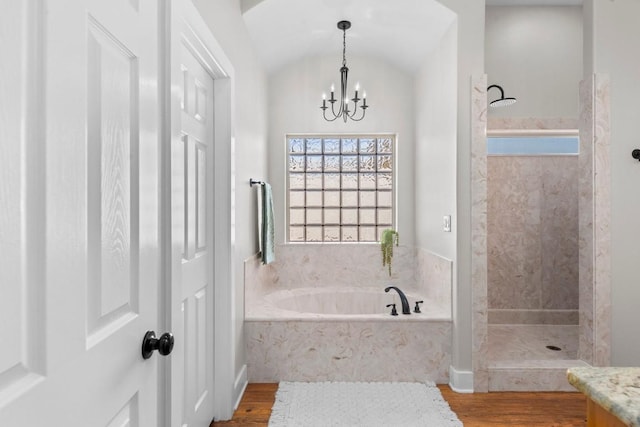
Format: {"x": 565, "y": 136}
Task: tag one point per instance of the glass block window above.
{"x": 340, "y": 188}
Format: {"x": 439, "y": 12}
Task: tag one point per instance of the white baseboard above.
{"x": 239, "y": 386}
{"x": 460, "y": 381}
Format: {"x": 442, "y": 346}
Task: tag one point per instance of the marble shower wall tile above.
{"x": 533, "y": 317}
{"x": 602, "y": 221}
{"x": 479, "y": 231}
{"x": 513, "y": 225}
{"x": 518, "y": 123}
{"x": 559, "y": 232}
{"x": 348, "y": 351}
{"x": 595, "y": 219}
{"x": 532, "y": 230}
{"x": 585, "y": 241}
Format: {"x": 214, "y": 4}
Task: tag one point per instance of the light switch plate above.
{"x": 447, "y": 223}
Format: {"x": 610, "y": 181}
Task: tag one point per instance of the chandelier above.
{"x": 343, "y": 109}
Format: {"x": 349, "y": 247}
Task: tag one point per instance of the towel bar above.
{"x": 253, "y": 182}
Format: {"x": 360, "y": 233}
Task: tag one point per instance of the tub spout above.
{"x": 403, "y": 299}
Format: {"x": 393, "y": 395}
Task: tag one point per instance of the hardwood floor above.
{"x": 474, "y": 410}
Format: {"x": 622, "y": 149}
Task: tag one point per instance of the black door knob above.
{"x": 164, "y": 344}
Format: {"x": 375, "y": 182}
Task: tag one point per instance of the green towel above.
{"x": 268, "y": 233}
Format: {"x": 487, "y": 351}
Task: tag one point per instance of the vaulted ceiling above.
{"x": 399, "y": 31}
{"x": 402, "y": 32}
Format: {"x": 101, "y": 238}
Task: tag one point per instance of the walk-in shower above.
{"x": 532, "y": 258}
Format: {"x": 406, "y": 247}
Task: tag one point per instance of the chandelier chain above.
{"x": 344, "y": 47}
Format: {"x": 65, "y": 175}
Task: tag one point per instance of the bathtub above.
{"x": 338, "y": 333}
{"x": 341, "y": 303}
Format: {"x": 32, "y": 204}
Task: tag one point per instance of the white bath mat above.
{"x": 339, "y": 404}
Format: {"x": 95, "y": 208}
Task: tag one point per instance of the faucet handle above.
{"x": 394, "y": 312}
{"x": 417, "y": 308}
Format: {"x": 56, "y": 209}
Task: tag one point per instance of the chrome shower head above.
{"x": 502, "y": 101}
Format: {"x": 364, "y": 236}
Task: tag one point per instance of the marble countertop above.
{"x": 615, "y": 389}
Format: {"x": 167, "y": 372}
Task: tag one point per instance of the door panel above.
{"x": 192, "y": 217}
{"x": 112, "y": 292}
{"x": 21, "y": 362}
{"x": 79, "y": 167}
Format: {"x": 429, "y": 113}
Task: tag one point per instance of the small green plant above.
{"x": 388, "y": 238}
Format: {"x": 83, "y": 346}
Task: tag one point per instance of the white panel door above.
{"x": 192, "y": 187}
{"x": 79, "y": 212}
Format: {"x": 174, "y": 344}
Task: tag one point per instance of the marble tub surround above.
{"x": 404, "y": 350}
{"x": 615, "y": 389}
{"x": 355, "y": 266}
{"x": 318, "y": 313}
{"x": 434, "y": 275}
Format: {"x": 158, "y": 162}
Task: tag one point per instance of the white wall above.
{"x": 250, "y": 118}
{"x": 614, "y": 34}
{"x": 435, "y": 156}
{"x": 535, "y": 54}
{"x": 470, "y": 47}
{"x": 295, "y": 96}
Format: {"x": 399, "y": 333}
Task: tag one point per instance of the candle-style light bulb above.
{"x": 357, "y": 86}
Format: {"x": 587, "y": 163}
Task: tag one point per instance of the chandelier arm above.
{"x": 324, "y": 114}
{"x": 333, "y": 111}
{"x": 357, "y": 120}
{"x": 352, "y": 116}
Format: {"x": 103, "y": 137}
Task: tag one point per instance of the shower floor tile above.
{"x": 515, "y": 345}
